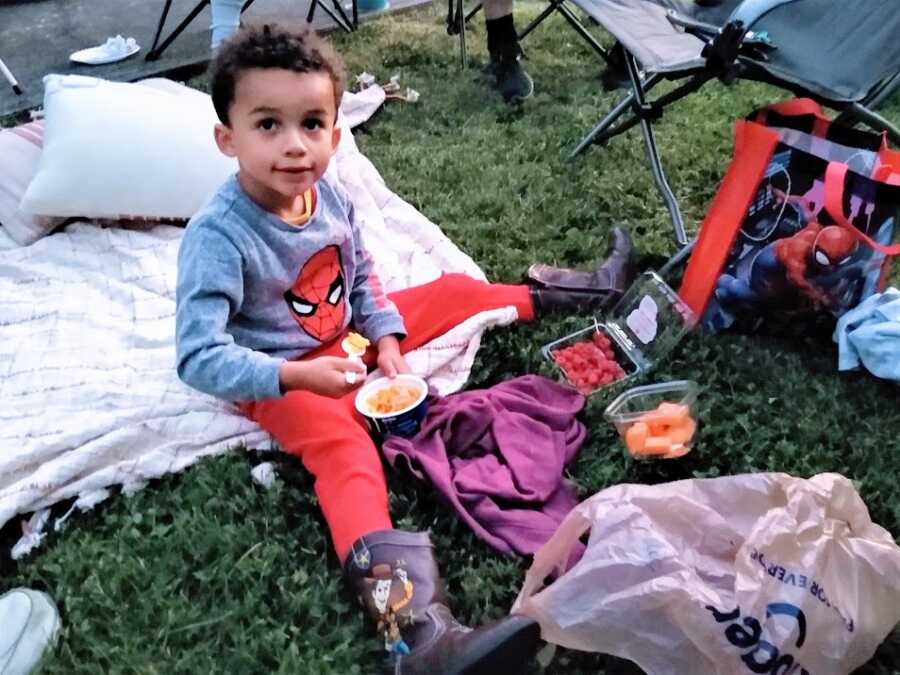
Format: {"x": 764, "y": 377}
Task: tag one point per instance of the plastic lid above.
{"x": 650, "y": 320}
{"x": 633, "y": 404}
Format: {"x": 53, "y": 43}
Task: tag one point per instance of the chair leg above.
{"x": 875, "y": 98}
{"x": 874, "y": 120}
{"x": 155, "y": 52}
{"x": 570, "y": 16}
{"x": 159, "y": 27}
{"x": 345, "y": 20}
{"x": 679, "y": 257}
{"x": 461, "y": 27}
{"x": 599, "y": 133}
{"x": 337, "y": 14}
{"x": 473, "y": 12}
{"x": 547, "y": 11}
{"x": 7, "y": 74}
{"x": 659, "y": 175}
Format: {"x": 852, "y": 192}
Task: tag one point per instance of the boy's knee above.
{"x": 459, "y": 282}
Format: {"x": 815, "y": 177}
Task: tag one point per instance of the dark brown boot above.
{"x": 557, "y": 301}
{"x": 611, "y": 278}
{"x": 396, "y": 577}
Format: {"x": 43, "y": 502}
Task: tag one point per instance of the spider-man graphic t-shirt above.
{"x": 254, "y": 290}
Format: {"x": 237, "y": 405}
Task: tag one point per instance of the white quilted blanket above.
{"x": 89, "y": 397}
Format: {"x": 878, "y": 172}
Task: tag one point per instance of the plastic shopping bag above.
{"x": 761, "y": 573}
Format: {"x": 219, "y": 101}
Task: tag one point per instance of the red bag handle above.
{"x": 797, "y": 107}
{"x": 835, "y": 174}
{"x": 889, "y": 172}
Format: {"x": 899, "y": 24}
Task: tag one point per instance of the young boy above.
{"x": 273, "y": 272}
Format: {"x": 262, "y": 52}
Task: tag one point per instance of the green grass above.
{"x": 204, "y": 572}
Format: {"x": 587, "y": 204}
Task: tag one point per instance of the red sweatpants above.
{"x": 332, "y": 438}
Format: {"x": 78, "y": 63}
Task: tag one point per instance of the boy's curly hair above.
{"x": 271, "y": 46}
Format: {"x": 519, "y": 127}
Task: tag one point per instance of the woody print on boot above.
{"x": 389, "y": 591}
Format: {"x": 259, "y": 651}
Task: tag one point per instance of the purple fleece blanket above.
{"x": 497, "y": 455}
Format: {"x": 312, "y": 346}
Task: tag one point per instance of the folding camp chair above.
{"x": 843, "y": 54}
{"x": 337, "y": 15}
{"x": 457, "y": 18}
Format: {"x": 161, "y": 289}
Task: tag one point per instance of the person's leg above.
{"x": 434, "y": 308}
{"x": 396, "y": 577}
{"x": 393, "y": 572}
{"x": 332, "y": 440}
{"x": 511, "y": 80}
{"x": 226, "y": 17}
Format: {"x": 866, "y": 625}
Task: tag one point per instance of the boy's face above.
{"x": 282, "y": 132}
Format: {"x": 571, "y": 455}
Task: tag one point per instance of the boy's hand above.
{"x": 323, "y": 375}
{"x": 390, "y": 360}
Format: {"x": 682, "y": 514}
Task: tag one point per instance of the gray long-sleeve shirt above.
{"x": 253, "y": 291}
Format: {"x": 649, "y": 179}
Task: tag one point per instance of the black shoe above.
{"x": 513, "y": 83}
{"x": 510, "y": 79}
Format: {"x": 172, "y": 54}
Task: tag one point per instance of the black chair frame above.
{"x": 338, "y": 15}
{"x": 457, "y": 18}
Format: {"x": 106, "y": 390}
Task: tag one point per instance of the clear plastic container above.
{"x": 656, "y": 421}
{"x": 583, "y": 362}
{"x": 643, "y": 327}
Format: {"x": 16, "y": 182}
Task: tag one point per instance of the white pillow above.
{"x": 118, "y": 150}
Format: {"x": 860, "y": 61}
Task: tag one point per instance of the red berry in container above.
{"x": 589, "y": 364}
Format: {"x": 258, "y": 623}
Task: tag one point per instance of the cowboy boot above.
{"x": 396, "y": 577}
{"x": 557, "y": 301}
{"x": 558, "y": 289}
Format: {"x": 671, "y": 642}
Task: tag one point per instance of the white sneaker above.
{"x": 30, "y": 623}
{"x": 114, "y": 49}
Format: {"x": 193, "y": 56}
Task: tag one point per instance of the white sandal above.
{"x": 114, "y": 49}
{"x": 30, "y": 624}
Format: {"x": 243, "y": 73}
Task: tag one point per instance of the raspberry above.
{"x": 589, "y": 364}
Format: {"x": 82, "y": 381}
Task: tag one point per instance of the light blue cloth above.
{"x": 225, "y": 19}
{"x": 869, "y": 335}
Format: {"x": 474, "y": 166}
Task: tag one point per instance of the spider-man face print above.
{"x": 316, "y": 300}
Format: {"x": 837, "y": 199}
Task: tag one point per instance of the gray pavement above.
{"x": 37, "y": 36}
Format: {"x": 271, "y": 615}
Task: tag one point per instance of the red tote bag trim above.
{"x": 797, "y": 107}
{"x": 888, "y": 170}
{"x": 835, "y": 176}
{"x": 754, "y": 145}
